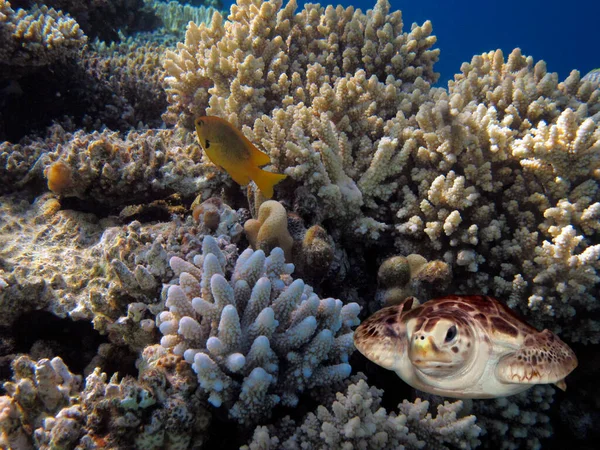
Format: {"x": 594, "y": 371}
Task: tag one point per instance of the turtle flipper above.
{"x": 543, "y": 358}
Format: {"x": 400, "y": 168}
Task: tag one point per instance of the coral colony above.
{"x": 238, "y": 312}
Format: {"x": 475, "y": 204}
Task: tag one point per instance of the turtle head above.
{"x": 439, "y": 346}
{"x": 382, "y": 337}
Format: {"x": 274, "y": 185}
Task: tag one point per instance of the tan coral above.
{"x": 270, "y": 229}
{"x": 36, "y": 37}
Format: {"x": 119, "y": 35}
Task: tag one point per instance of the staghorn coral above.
{"x": 356, "y": 419}
{"x": 299, "y": 108}
{"x": 36, "y": 37}
{"x": 258, "y": 339}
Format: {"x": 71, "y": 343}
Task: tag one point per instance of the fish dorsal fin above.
{"x": 542, "y": 358}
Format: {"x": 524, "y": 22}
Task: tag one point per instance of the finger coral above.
{"x": 258, "y": 338}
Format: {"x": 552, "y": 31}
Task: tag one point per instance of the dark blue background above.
{"x": 562, "y": 33}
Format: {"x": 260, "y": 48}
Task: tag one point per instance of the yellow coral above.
{"x": 59, "y": 177}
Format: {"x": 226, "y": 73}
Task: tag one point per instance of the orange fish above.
{"x": 228, "y": 148}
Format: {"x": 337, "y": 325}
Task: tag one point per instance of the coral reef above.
{"x": 356, "y": 419}
{"x": 175, "y": 17}
{"x": 498, "y": 166}
{"x": 304, "y": 125}
{"x": 261, "y": 326}
{"x": 516, "y": 422}
{"x": 504, "y": 182}
{"x": 132, "y": 72}
{"x": 35, "y": 37}
{"x": 39, "y": 390}
{"x": 112, "y": 170}
{"x": 490, "y": 186}
{"x": 105, "y": 19}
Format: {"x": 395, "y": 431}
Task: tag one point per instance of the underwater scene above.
{"x": 277, "y": 224}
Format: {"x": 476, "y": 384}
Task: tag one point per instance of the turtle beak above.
{"x": 423, "y": 348}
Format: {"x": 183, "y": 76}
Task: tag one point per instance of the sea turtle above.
{"x": 469, "y": 346}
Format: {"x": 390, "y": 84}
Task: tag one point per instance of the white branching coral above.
{"x": 258, "y": 338}
{"x": 516, "y": 422}
{"x": 356, "y": 419}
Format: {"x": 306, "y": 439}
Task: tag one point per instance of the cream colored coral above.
{"x": 37, "y": 36}
{"x": 270, "y": 229}
{"x": 325, "y": 92}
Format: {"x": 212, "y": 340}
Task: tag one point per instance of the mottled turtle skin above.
{"x": 463, "y": 347}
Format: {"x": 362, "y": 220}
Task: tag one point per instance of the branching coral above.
{"x": 175, "y": 16}
{"x": 35, "y": 37}
{"x": 323, "y": 118}
{"x": 38, "y": 391}
{"x": 356, "y": 419}
{"x": 507, "y": 162}
{"x": 258, "y": 339}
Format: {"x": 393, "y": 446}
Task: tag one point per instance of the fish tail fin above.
{"x": 266, "y": 180}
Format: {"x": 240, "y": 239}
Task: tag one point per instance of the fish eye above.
{"x": 451, "y": 333}
{"x": 200, "y": 122}
{"x": 207, "y": 144}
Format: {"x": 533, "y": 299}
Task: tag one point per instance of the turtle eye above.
{"x": 451, "y": 333}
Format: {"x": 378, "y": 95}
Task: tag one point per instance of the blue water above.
{"x": 564, "y": 34}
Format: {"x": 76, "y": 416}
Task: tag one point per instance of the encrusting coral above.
{"x": 260, "y": 326}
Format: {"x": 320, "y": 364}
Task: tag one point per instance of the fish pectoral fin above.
{"x": 266, "y": 180}
{"x": 257, "y": 157}
{"x": 241, "y": 177}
